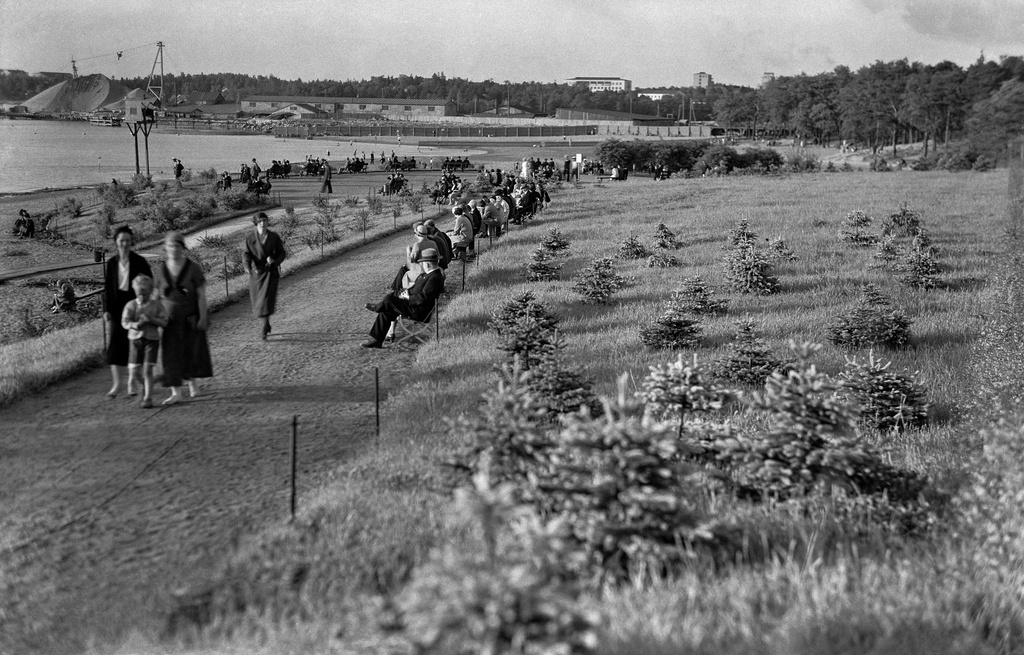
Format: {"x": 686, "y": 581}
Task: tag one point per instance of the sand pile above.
{"x": 82, "y": 94}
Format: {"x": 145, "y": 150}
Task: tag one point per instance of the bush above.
{"x": 103, "y": 221}
{"x": 289, "y": 225}
{"x": 197, "y": 207}
{"x": 887, "y": 254}
{"x": 557, "y": 388}
{"x": 525, "y": 329}
{"x": 903, "y": 223}
{"x": 874, "y": 322}
{"x": 879, "y": 165}
{"x": 919, "y": 266}
{"x": 117, "y": 195}
{"x": 415, "y": 203}
{"x": 748, "y": 359}
{"x": 141, "y": 182}
{"x": 664, "y": 238}
{"x": 502, "y": 589}
{"x": 235, "y": 199}
{"x": 632, "y": 248}
{"x": 674, "y": 329}
{"x": 662, "y": 259}
{"x": 598, "y": 282}
{"x": 856, "y": 221}
{"x": 890, "y": 402}
{"x": 695, "y": 297}
{"x": 350, "y": 201}
{"x": 374, "y": 203}
{"x": 678, "y": 390}
{"x": 325, "y": 216}
{"x": 750, "y": 271}
{"x": 741, "y": 234}
{"x": 778, "y": 250}
{"x": 70, "y": 207}
{"x": 161, "y": 214}
{"x": 554, "y": 242}
{"x": 802, "y": 163}
{"x": 540, "y": 268}
{"x": 208, "y": 175}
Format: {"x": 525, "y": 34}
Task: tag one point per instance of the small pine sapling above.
{"x": 874, "y": 322}
{"x": 673, "y": 330}
{"x": 632, "y": 248}
{"x": 697, "y": 298}
{"x": 855, "y": 223}
{"x": 749, "y": 270}
{"x": 665, "y": 239}
{"x": 741, "y": 234}
{"x": 903, "y": 223}
{"x": 678, "y": 390}
{"x": 554, "y": 242}
{"x": 779, "y": 250}
{"x": 540, "y": 268}
{"x": 662, "y": 259}
{"x": 599, "y": 281}
{"x": 749, "y": 360}
{"x": 890, "y": 402}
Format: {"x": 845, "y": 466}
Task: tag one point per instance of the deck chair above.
{"x": 406, "y": 329}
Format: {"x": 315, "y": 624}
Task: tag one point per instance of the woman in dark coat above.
{"x": 121, "y": 269}
{"x": 184, "y": 351}
{"x": 264, "y": 253}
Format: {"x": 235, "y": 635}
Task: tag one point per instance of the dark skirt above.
{"x": 184, "y": 352}
{"x": 117, "y": 349}
{"x": 263, "y": 292}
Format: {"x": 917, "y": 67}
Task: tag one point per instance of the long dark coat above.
{"x": 184, "y": 350}
{"x": 116, "y": 299}
{"x": 263, "y": 277}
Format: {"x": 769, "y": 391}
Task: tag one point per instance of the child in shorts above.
{"x": 143, "y": 318}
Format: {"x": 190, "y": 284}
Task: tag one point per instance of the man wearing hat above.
{"x": 417, "y": 303}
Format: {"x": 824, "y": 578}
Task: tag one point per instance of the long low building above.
{"x": 333, "y": 106}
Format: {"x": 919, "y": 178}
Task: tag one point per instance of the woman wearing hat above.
{"x": 264, "y": 252}
{"x": 121, "y": 269}
{"x": 184, "y": 352}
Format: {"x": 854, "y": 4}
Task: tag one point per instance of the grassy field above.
{"x": 329, "y": 582}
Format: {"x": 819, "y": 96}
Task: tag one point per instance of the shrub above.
{"x": 557, "y": 388}
{"x": 879, "y": 165}
{"x": 874, "y": 322}
{"x": 362, "y": 220}
{"x": 748, "y": 359}
{"x": 235, "y": 199}
{"x": 325, "y": 216}
{"x": 141, "y": 182}
{"x": 890, "y": 402}
{"x": 674, "y": 329}
{"x": 811, "y": 443}
{"x": 554, "y": 242}
{"x": 857, "y": 221}
{"x": 161, "y": 214}
{"x": 695, "y": 297}
{"x": 778, "y": 250}
{"x": 289, "y": 225}
{"x": 502, "y": 589}
{"x": 208, "y": 175}
{"x": 197, "y": 207}
{"x": 186, "y": 176}
{"x": 919, "y": 267}
{"x": 678, "y": 390}
{"x": 540, "y": 268}
{"x": 350, "y": 201}
{"x": 117, "y": 195}
{"x": 525, "y": 329}
{"x": 741, "y": 234}
{"x": 903, "y": 223}
{"x": 374, "y": 203}
{"x": 662, "y": 259}
{"x": 598, "y": 282}
{"x": 103, "y": 221}
{"x": 749, "y": 270}
{"x": 632, "y": 248}
{"x": 887, "y": 254}
{"x": 415, "y": 202}
{"x": 70, "y": 207}
{"x": 664, "y": 238}
{"x": 802, "y": 163}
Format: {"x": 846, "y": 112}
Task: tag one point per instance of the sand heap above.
{"x": 82, "y": 94}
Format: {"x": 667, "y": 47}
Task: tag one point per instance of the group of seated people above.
{"x": 455, "y": 164}
{"x": 544, "y": 169}
{"x": 313, "y": 167}
{"x": 259, "y": 186}
{"x": 24, "y": 226}
{"x": 394, "y": 184}
{"x": 420, "y": 279}
{"x": 280, "y": 169}
{"x": 395, "y": 164}
{"x": 447, "y": 189}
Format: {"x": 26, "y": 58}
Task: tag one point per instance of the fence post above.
{"x": 376, "y": 405}
{"x": 295, "y": 439}
{"x": 226, "y": 294}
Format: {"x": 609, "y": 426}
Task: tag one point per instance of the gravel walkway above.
{"x": 106, "y": 507}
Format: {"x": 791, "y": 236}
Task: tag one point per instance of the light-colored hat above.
{"x": 422, "y": 230}
{"x": 428, "y": 255}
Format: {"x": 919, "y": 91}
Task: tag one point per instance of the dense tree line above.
{"x": 883, "y": 104}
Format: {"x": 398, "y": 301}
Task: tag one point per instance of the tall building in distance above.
{"x": 766, "y": 78}
{"x": 603, "y": 83}
{"x": 702, "y": 80}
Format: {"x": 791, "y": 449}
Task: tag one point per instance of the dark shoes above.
{"x": 371, "y": 344}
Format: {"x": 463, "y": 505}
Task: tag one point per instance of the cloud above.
{"x": 974, "y": 22}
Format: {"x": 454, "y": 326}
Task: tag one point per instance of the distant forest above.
{"x": 878, "y": 105}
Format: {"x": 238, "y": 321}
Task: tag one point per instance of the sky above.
{"x": 653, "y": 43}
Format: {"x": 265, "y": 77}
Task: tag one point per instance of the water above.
{"x": 60, "y": 154}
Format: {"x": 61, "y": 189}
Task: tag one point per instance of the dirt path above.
{"x": 105, "y": 507}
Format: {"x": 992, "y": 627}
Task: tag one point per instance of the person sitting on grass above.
{"x": 64, "y": 300}
{"x": 416, "y": 303}
{"x": 143, "y": 318}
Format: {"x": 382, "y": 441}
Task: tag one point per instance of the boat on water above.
{"x": 105, "y": 120}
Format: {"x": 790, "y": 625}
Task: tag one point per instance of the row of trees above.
{"x": 888, "y": 103}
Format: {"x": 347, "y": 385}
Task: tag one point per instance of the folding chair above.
{"x": 406, "y": 329}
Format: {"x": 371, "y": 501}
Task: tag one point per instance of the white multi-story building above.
{"x": 702, "y": 80}
{"x": 603, "y": 83}
{"x": 654, "y": 95}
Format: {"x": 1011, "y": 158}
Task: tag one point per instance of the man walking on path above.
{"x": 325, "y": 187}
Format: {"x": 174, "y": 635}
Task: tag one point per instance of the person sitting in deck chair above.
{"x": 64, "y": 299}
{"x": 416, "y": 303}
